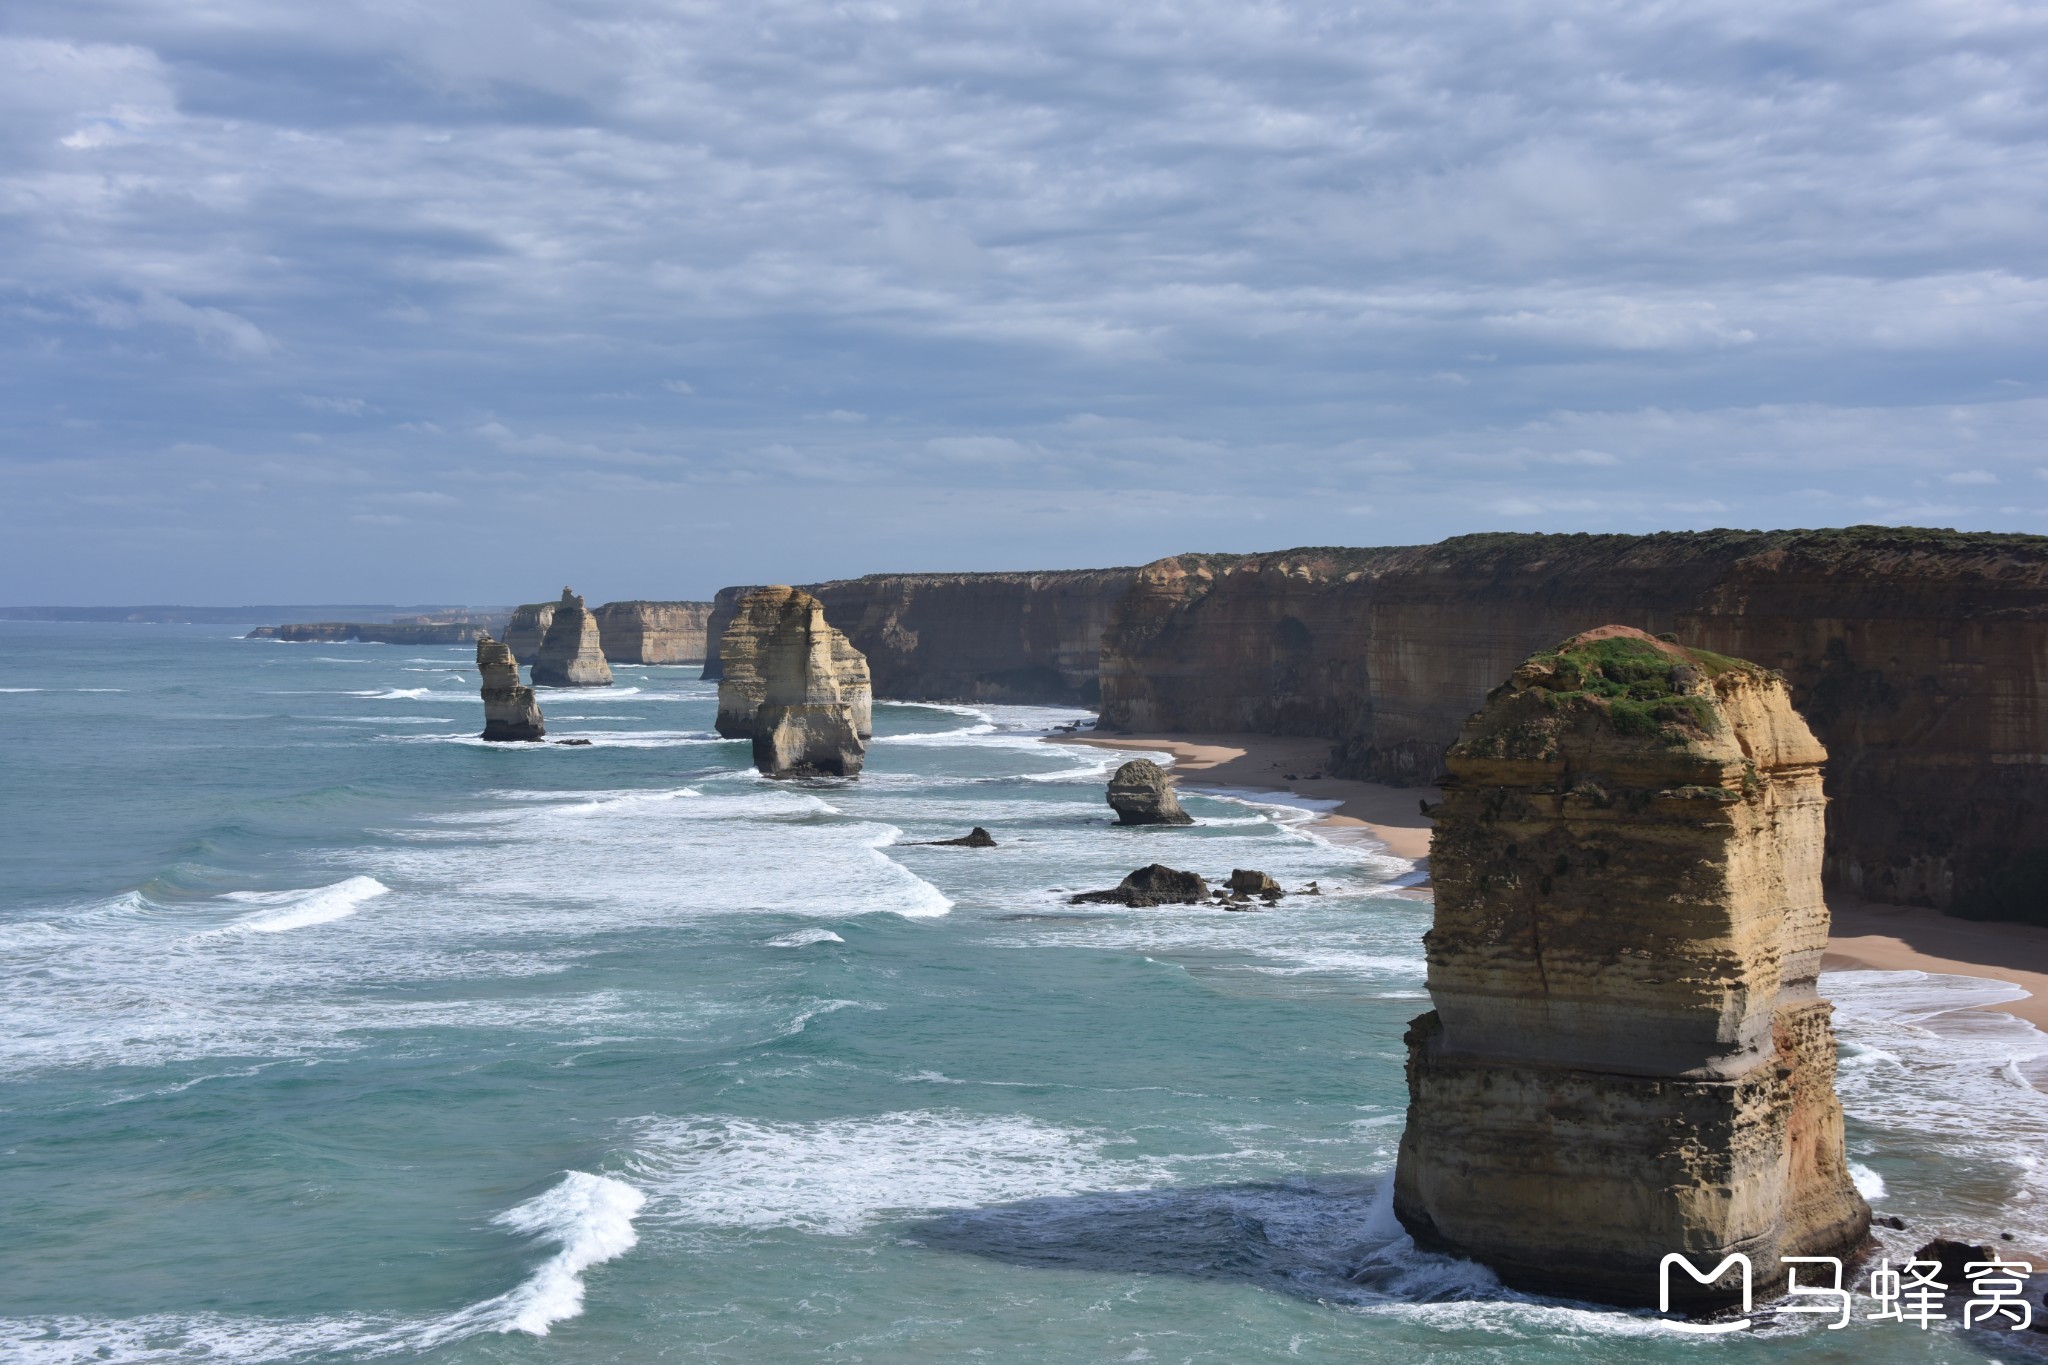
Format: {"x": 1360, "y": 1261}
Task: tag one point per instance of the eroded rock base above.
{"x": 808, "y": 739}
{"x": 1577, "y": 1183}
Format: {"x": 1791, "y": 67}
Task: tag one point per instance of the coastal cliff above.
{"x": 1918, "y": 657}
{"x": 653, "y": 632}
{"x": 570, "y": 655}
{"x": 1031, "y": 638}
{"x": 758, "y": 638}
{"x": 373, "y": 633}
{"x": 995, "y": 637}
{"x": 1627, "y": 1056}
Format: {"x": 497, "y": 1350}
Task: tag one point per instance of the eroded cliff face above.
{"x": 1627, "y": 1057}
{"x": 1917, "y": 656}
{"x": 996, "y": 637}
{"x": 653, "y": 632}
{"x": 510, "y": 712}
{"x": 570, "y": 654}
{"x": 794, "y": 686}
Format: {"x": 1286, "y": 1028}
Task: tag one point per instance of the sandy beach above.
{"x": 1866, "y": 935}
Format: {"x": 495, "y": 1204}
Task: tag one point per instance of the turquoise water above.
{"x": 333, "y": 1034}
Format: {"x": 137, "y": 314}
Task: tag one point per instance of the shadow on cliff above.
{"x": 1330, "y": 1238}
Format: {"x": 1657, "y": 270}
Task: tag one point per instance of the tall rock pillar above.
{"x": 758, "y": 618}
{"x": 1627, "y": 1057}
{"x": 572, "y": 653}
{"x": 795, "y": 686}
{"x": 510, "y": 712}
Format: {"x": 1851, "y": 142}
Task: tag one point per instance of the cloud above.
{"x": 1576, "y": 266}
{"x": 349, "y": 407}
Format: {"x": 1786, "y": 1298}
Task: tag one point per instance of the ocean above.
{"x": 331, "y": 1033}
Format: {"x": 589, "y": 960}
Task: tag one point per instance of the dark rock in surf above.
{"x": 1954, "y": 1257}
{"x": 974, "y": 838}
{"x": 1246, "y": 882}
{"x": 1154, "y": 884}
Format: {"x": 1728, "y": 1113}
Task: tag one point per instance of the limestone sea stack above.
{"x": 742, "y": 658}
{"x": 528, "y": 627}
{"x": 571, "y": 654}
{"x": 1140, "y": 795}
{"x": 808, "y": 688}
{"x": 1627, "y": 1057}
{"x": 510, "y": 712}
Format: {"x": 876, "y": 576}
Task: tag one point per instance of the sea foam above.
{"x": 836, "y": 1176}
{"x": 590, "y": 1218}
{"x": 301, "y": 909}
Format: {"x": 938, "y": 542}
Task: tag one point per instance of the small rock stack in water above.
{"x": 1140, "y": 796}
{"x": 571, "y": 654}
{"x": 1627, "y": 1056}
{"x": 510, "y": 712}
{"x": 794, "y": 686}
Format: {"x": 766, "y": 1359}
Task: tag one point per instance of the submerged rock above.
{"x": 974, "y": 838}
{"x": 1627, "y": 1057}
{"x": 1140, "y": 795}
{"x": 572, "y": 654}
{"x": 1955, "y": 1258}
{"x": 511, "y": 715}
{"x": 1154, "y": 884}
{"x": 814, "y": 702}
{"x": 742, "y": 661}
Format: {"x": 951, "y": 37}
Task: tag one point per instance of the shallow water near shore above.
{"x": 332, "y": 1033}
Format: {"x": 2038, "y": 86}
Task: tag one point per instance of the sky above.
{"x": 461, "y": 300}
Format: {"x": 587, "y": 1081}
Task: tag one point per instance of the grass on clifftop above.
{"x": 1636, "y": 683}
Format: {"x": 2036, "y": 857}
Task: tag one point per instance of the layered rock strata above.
{"x": 571, "y": 654}
{"x": 528, "y": 627}
{"x": 725, "y": 605}
{"x": 510, "y": 712}
{"x": 744, "y": 660}
{"x": 996, "y": 637}
{"x": 653, "y": 632}
{"x": 1140, "y": 795}
{"x": 1919, "y": 657}
{"x": 807, "y": 686}
{"x": 1627, "y": 1057}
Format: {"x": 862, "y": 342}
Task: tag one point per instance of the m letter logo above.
{"x": 1734, "y": 1258}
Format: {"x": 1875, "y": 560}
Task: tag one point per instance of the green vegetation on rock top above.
{"x": 1636, "y": 682}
